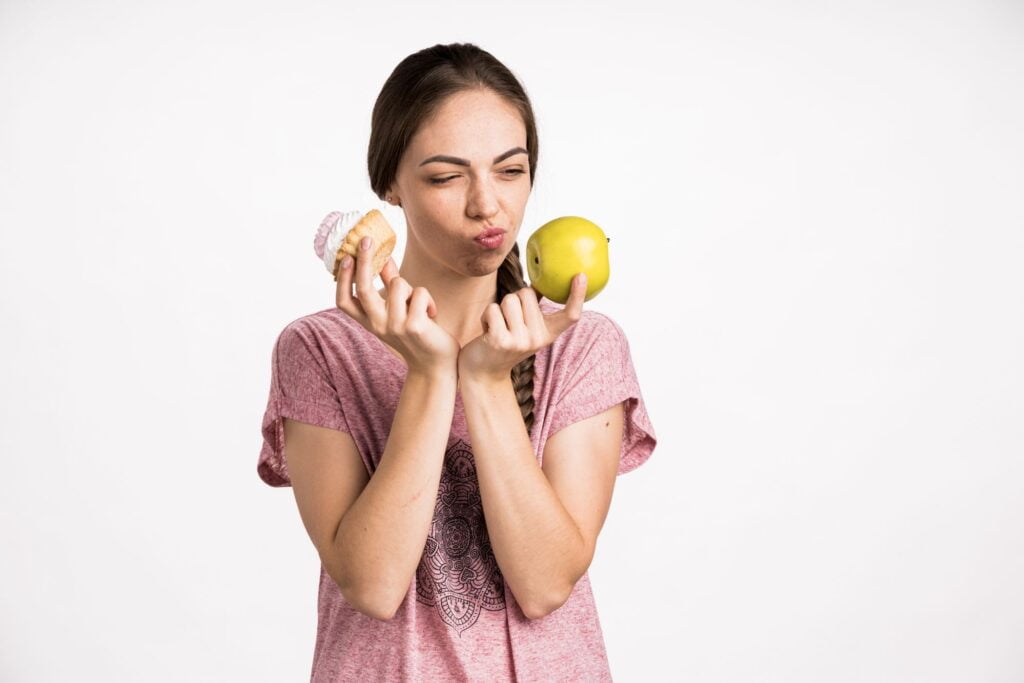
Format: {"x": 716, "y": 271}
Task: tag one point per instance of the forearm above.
{"x": 381, "y": 538}
{"x": 536, "y": 542}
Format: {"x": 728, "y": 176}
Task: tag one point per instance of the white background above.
{"x": 816, "y": 218}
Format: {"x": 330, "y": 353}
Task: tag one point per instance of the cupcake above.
{"x": 339, "y": 234}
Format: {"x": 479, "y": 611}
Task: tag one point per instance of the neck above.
{"x": 461, "y": 299}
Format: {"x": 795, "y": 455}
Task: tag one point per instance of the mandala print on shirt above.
{"x": 458, "y": 574}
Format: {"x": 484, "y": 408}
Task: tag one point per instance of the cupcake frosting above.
{"x": 331, "y": 234}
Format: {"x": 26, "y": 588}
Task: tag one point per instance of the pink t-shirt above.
{"x": 459, "y": 620}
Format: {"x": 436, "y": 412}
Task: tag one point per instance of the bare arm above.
{"x": 537, "y": 543}
{"x": 381, "y": 538}
{"x": 373, "y": 550}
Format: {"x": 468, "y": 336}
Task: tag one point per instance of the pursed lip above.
{"x": 490, "y": 232}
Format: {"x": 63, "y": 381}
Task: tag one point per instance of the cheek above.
{"x": 437, "y": 217}
{"x": 518, "y": 198}
{"x": 432, "y": 209}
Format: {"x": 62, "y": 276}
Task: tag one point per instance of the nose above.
{"x": 482, "y": 201}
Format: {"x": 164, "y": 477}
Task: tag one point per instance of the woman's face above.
{"x": 483, "y": 181}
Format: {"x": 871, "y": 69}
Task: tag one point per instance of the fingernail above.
{"x": 364, "y": 244}
{"x": 346, "y": 262}
{"x": 581, "y": 278}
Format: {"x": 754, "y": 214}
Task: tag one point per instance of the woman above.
{"x": 453, "y": 439}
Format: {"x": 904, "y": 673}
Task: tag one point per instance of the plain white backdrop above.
{"x": 817, "y": 246}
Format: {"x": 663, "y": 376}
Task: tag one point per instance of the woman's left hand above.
{"x": 515, "y": 330}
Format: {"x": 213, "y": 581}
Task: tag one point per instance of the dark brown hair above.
{"x": 412, "y": 93}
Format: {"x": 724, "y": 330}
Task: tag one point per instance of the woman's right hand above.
{"x": 404, "y": 321}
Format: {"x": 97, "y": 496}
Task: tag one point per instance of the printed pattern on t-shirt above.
{"x": 458, "y": 574}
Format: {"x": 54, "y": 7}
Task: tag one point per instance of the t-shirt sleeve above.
{"x": 595, "y": 372}
{"x": 301, "y": 389}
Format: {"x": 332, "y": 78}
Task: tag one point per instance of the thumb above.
{"x": 572, "y": 311}
{"x": 574, "y": 306}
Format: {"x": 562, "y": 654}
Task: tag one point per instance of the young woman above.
{"x": 453, "y": 439}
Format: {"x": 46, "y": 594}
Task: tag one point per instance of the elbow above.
{"x": 545, "y": 605}
{"x": 539, "y": 606}
{"x": 532, "y": 613}
{"x": 375, "y": 609}
{"x": 372, "y": 602}
{"x": 538, "y": 609}
{"x": 378, "y": 607}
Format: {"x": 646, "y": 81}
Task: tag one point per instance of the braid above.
{"x": 510, "y": 279}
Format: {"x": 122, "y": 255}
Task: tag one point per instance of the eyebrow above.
{"x": 465, "y": 162}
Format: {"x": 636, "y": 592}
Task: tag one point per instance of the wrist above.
{"x": 482, "y": 379}
{"x": 432, "y": 374}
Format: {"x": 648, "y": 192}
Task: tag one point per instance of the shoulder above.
{"x": 322, "y": 333}
{"x": 593, "y": 329}
{"x": 329, "y": 322}
{"x": 590, "y": 316}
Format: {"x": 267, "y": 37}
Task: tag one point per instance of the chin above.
{"x": 481, "y": 268}
{"x": 486, "y": 265}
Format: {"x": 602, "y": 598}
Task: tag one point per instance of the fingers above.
{"x": 431, "y": 305}
{"x": 389, "y": 272}
{"x": 370, "y": 298}
{"x": 344, "y": 298}
{"x": 532, "y": 314}
{"x": 512, "y": 310}
{"x": 381, "y": 312}
{"x": 421, "y": 302}
{"x": 493, "y": 320}
{"x": 398, "y": 293}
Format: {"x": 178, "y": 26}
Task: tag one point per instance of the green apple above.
{"x": 562, "y": 247}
